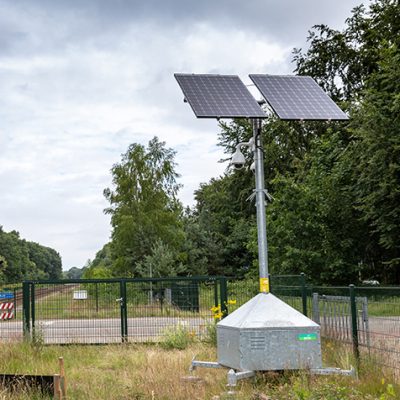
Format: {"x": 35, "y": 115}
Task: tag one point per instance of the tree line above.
{"x": 335, "y": 187}
{"x": 21, "y": 259}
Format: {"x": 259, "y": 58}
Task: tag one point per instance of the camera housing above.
{"x": 238, "y": 160}
{"x": 237, "y": 166}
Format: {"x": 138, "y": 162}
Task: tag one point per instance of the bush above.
{"x": 211, "y": 333}
{"x": 178, "y": 337}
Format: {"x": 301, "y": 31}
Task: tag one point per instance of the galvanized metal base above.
{"x": 234, "y": 376}
{"x": 266, "y": 334}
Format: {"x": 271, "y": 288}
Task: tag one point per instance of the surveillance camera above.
{"x": 238, "y": 160}
{"x": 237, "y": 165}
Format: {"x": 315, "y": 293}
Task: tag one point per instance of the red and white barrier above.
{"x": 10, "y": 313}
{"x": 7, "y": 315}
{"x": 6, "y": 306}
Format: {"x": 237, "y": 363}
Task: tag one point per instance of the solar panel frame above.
{"x": 297, "y": 98}
{"x": 218, "y": 96}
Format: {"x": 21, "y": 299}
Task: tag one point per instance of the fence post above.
{"x": 15, "y": 303}
{"x": 354, "y": 328}
{"x": 33, "y": 310}
{"x": 26, "y": 304}
{"x": 216, "y": 293}
{"x": 366, "y": 322}
{"x": 97, "y": 297}
{"x": 123, "y": 309}
{"x": 304, "y": 292}
{"x": 125, "y": 312}
{"x": 224, "y": 296}
{"x": 315, "y": 308}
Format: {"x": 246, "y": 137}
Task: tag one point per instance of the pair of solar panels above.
{"x": 226, "y": 96}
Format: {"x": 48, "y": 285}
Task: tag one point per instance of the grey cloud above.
{"x": 74, "y": 21}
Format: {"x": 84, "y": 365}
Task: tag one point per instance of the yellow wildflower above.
{"x": 215, "y": 309}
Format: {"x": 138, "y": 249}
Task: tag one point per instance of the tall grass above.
{"x": 122, "y": 372}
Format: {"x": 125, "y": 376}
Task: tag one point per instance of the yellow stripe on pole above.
{"x": 264, "y": 285}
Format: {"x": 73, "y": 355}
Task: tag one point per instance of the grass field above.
{"x": 119, "y": 372}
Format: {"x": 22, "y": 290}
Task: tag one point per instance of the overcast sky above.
{"x": 80, "y": 80}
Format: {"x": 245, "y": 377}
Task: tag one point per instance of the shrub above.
{"x": 177, "y": 337}
{"x": 211, "y": 333}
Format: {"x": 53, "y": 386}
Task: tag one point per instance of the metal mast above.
{"x": 260, "y": 205}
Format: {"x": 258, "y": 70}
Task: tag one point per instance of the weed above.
{"x": 177, "y": 337}
{"x": 211, "y": 333}
{"x": 37, "y": 341}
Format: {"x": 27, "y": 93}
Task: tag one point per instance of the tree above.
{"x": 99, "y": 272}
{"x": 195, "y": 245}
{"x": 143, "y": 205}
{"x": 74, "y": 273}
{"x": 375, "y": 159}
{"x": 284, "y": 144}
{"x": 360, "y": 66}
{"x": 160, "y": 263}
{"x": 101, "y": 266}
{"x": 46, "y": 259}
{"x": 27, "y": 260}
{"x": 223, "y": 209}
{"x": 313, "y": 225}
{"x": 15, "y": 254}
{"x": 103, "y": 258}
{"x": 3, "y": 266}
{"x": 342, "y": 61}
{"x": 224, "y": 219}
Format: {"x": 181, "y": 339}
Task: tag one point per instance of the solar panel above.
{"x": 297, "y": 98}
{"x": 218, "y": 96}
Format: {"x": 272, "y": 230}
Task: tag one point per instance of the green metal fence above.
{"x": 383, "y": 328}
{"x": 119, "y": 310}
{"x": 366, "y": 318}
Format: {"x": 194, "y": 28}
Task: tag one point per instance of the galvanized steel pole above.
{"x": 260, "y": 204}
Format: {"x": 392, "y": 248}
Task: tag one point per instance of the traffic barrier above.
{"x": 9, "y": 314}
{"x": 6, "y": 315}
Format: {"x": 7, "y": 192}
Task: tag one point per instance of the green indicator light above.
{"x": 307, "y": 336}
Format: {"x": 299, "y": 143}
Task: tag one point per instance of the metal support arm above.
{"x": 233, "y": 376}
{"x": 203, "y": 364}
{"x": 333, "y": 371}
